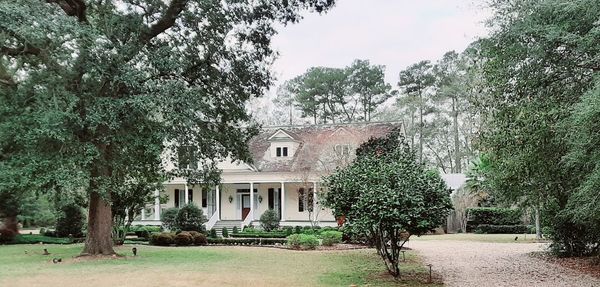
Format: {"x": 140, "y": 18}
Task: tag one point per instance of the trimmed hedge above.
{"x": 162, "y": 239}
{"x": 247, "y": 241}
{"x": 494, "y": 216}
{"x": 183, "y": 239}
{"x": 258, "y": 235}
{"x": 497, "y": 229}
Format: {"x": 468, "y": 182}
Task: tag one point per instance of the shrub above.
{"x": 70, "y": 221}
{"x": 288, "y": 230}
{"x": 247, "y": 241}
{"x": 496, "y": 229}
{"x": 224, "y": 232}
{"x": 235, "y": 230}
{"x": 213, "y": 233}
{"x": 169, "y": 218}
{"x": 190, "y": 218}
{"x": 302, "y": 241}
{"x": 269, "y": 220}
{"x": 183, "y": 239}
{"x": 198, "y": 238}
{"x": 492, "y": 216}
{"x": 298, "y": 229}
{"x": 331, "y": 237}
{"x": 259, "y": 235}
{"x": 161, "y": 239}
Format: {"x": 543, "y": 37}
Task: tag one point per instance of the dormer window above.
{"x": 281, "y": 152}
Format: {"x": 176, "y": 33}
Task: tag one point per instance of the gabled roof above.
{"x": 316, "y": 142}
{"x": 281, "y": 131}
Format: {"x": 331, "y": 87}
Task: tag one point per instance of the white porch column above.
{"x": 126, "y": 214}
{"x": 282, "y": 197}
{"x": 252, "y": 200}
{"x": 218, "y": 202}
{"x": 156, "y": 205}
{"x": 143, "y": 213}
{"x": 187, "y": 196}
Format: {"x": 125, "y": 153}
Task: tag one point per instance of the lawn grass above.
{"x": 495, "y": 238}
{"x": 201, "y": 266}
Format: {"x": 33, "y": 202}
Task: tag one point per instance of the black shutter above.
{"x": 204, "y": 197}
{"x": 301, "y": 200}
{"x": 285, "y": 151}
{"x": 190, "y": 195}
{"x": 176, "y": 197}
{"x": 278, "y": 151}
{"x": 271, "y": 198}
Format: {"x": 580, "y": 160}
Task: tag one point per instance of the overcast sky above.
{"x": 395, "y": 33}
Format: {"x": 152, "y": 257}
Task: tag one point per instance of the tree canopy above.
{"x": 96, "y": 94}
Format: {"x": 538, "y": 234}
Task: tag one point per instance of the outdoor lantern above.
{"x": 230, "y": 199}
{"x": 259, "y": 199}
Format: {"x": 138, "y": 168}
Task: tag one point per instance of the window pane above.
{"x": 285, "y": 153}
{"x": 278, "y": 151}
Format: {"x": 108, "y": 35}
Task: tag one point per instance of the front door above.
{"x": 245, "y": 205}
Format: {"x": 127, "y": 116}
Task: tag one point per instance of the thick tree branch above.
{"x": 72, "y": 8}
{"x": 165, "y": 22}
{"x": 22, "y": 50}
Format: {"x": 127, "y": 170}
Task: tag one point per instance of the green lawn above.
{"x": 497, "y": 238}
{"x": 201, "y": 266}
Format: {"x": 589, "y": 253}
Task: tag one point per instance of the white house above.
{"x": 288, "y": 163}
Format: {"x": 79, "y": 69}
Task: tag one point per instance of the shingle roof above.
{"x": 315, "y": 144}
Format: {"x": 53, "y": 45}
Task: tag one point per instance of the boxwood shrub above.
{"x": 247, "y": 241}
{"x": 183, "y": 239}
{"x": 258, "y": 235}
{"x": 302, "y": 241}
{"x": 162, "y": 238}
{"x": 331, "y": 237}
{"x": 494, "y": 216}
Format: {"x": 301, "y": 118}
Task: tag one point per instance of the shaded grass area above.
{"x": 202, "y": 266}
{"x": 495, "y": 238}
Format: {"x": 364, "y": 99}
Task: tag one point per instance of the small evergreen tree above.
{"x": 388, "y": 196}
{"x": 169, "y": 218}
{"x": 269, "y": 220}
{"x": 190, "y": 218}
{"x": 70, "y": 221}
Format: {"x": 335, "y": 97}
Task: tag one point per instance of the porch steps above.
{"x": 229, "y": 224}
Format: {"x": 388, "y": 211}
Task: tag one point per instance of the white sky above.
{"x": 395, "y": 33}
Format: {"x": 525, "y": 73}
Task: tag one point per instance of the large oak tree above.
{"x": 95, "y": 93}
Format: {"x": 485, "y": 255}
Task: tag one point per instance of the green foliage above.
{"x": 331, "y": 237}
{"x": 247, "y": 241}
{"x": 539, "y": 63}
{"x": 302, "y": 241}
{"x": 259, "y": 234}
{"x": 169, "y": 218}
{"x": 493, "y": 216}
{"x": 183, "y": 239}
{"x": 269, "y": 220}
{"x": 297, "y": 229}
{"x": 198, "y": 238}
{"x": 499, "y": 229}
{"x": 190, "y": 218}
{"x": 385, "y": 192}
{"x": 212, "y": 233}
{"x": 288, "y": 230}
{"x": 99, "y": 88}
{"x": 37, "y": 211}
{"x": 235, "y": 230}
{"x": 162, "y": 239}
{"x": 70, "y": 221}
{"x": 38, "y": 239}
{"x": 224, "y": 232}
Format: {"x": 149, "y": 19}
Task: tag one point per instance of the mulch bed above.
{"x": 587, "y": 265}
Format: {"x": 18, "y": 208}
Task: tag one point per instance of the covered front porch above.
{"x": 232, "y": 203}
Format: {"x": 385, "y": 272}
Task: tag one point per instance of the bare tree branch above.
{"x": 72, "y": 8}
{"x": 166, "y": 21}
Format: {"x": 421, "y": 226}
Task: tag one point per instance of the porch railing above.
{"x": 246, "y": 221}
{"x": 212, "y": 221}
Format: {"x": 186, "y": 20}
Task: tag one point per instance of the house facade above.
{"x": 285, "y": 176}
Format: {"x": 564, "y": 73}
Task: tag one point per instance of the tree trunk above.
{"x": 99, "y": 234}
{"x": 457, "y": 156}
{"x": 538, "y": 226}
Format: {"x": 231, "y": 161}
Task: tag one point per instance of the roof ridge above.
{"x": 331, "y": 125}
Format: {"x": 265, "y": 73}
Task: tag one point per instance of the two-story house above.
{"x": 288, "y": 164}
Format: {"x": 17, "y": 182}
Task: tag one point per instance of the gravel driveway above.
{"x": 466, "y": 263}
